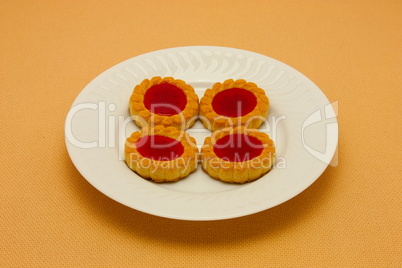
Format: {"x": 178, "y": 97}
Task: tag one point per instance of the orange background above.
{"x": 50, "y": 215}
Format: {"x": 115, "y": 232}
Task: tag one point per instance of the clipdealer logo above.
{"x": 106, "y": 132}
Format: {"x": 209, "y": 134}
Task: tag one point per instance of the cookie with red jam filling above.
{"x": 161, "y": 154}
{"x": 233, "y": 103}
{"x": 237, "y": 155}
{"x": 164, "y": 101}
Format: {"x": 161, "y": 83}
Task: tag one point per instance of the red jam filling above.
{"x": 234, "y": 102}
{"x": 165, "y": 99}
{"x": 159, "y": 147}
{"x": 238, "y": 147}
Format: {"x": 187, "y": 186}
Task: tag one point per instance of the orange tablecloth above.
{"x": 51, "y": 216}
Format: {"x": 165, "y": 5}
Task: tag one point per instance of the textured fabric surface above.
{"x": 50, "y": 216}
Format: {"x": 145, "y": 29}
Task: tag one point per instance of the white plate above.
{"x": 301, "y": 122}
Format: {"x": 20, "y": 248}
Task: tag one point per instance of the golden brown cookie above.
{"x": 237, "y": 155}
{"x": 161, "y": 154}
{"x": 233, "y": 103}
{"x": 164, "y": 101}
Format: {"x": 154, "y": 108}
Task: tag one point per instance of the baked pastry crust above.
{"x": 214, "y": 121}
{"x": 162, "y": 171}
{"x": 143, "y": 117}
{"x": 237, "y": 172}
